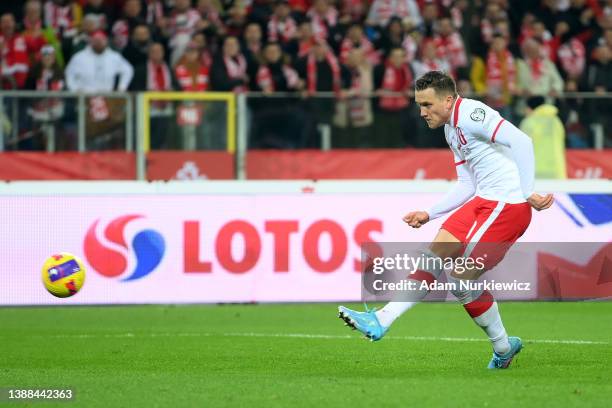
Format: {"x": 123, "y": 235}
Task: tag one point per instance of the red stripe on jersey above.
{"x": 422, "y": 276}
{"x": 480, "y": 305}
{"x": 460, "y": 163}
{"x": 456, "y": 112}
{"x": 496, "y": 129}
{"x": 462, "y": 137}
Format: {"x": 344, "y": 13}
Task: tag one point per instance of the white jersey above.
{"x": 471, "y": 136}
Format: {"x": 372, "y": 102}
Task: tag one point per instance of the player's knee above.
{"x": 432, "y": 264}
{"x": 463, "y": 291}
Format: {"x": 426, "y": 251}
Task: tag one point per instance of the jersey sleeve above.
{"x": 462, "y": 191}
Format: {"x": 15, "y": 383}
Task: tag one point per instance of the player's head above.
{"x": 435, "y": 93}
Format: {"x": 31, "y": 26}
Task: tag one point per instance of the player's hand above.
{"x": 541, "y": 202}
{"x": 416, "y": 218}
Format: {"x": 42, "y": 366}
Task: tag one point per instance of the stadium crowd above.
{"x": 500, "y": 50}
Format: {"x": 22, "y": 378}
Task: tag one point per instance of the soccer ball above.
{"x": 63, "y": 274}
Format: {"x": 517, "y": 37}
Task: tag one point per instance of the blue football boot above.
{"x": 366, "y": 322}
{"x": 503, "y": 361}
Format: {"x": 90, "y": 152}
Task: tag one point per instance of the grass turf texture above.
{"x": 147, "y": 356}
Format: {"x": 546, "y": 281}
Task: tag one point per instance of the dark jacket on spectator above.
{"x": 141, "y": 78}
{"x": 136, "y": 54}
{"x": 325, "y": 77}
{"x": 220, "y": 80}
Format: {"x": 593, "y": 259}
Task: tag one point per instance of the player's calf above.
{"x": 483, "y": 309}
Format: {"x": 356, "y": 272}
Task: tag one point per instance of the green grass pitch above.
{"x": 302, "y": 356}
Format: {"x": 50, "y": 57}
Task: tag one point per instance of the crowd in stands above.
{"x": 496, "y": 49}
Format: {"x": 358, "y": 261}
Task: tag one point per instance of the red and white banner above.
{"x": 142, "y": 247}
{"x": 114, "y": 165}
{"x": 203, "y": 165}
{"x": 265, "y": 165}
{"x": 391, "y": 164}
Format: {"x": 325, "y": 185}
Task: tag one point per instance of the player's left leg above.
{"x": 497, "y": 227}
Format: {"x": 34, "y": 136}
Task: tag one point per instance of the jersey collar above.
{"x": 455, "y": 115}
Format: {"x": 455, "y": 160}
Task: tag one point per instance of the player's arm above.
{"x": 462, "y": 191}
{"x": 521, "y": 147}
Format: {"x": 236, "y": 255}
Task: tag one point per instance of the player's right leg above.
{"x": 447, "y": 243}
{"x": 375, "y": 324}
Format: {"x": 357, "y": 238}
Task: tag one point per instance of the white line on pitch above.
{"x": 315, "y": 336}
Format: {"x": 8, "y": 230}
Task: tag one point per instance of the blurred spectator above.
{"x": 599, "y": 79}
{"x": 393, "y": 81}
{"x": 259, "y": 11}
{"x": 155, "y": 75}
{"x": 47, "y": 75}
{"x": 82, "y": 39}
{"x": 235, "y": 17}
{"x": 354, "y": 10}
{"x": 572, "y": 61}
{"x": 277, "y": 124}
{"x": 184, "y": 21}
{"x": 98, "y": 68}
{"x": 493, "y": 12}
{"x": 430, "y": 17}
{"x": 450, "y": 44}
{"x": 548, "y": 13}
{"x": 496, "y": 77}
{"x": 323, "y": 17}
{"x": 252, "y": 47}
{"x": 229, "y": 68}
{"x": 599, "y": 75}
{"x": 274, "y": 75}
{"x": 204, "y": 51}
{"x": 137, "y": 50}
{"x": 191, "y": 73}
{"x": 64, "y": 17}
{"x": 429, "y": 60}
{"x": 354, "y": 111}
{"x": 193, "y": 76}
{"x": 33, "y": 33}
{"x": 581, "y": 16}
{"x": 301, "y": 45}
{"x": 537, "y": 75}
{"x": 502, "y": 27}
{"x": 322, "y": 72}
{"x": 548, "y": 44}
{"x": 97, "y": 10}
{"x": 14, "y": 64}
{"x": 394, "y": 36}
{"x": 211, "y": 17}
{"x": 548, "y": 135}
{"x": 282, "y": 27}
{"x": 382, "y": 11}
{"x": 356, "y": 39}
{"x": 154, "y": 14}
{"x": 123, "y": 27}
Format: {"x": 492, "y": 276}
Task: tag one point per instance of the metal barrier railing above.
{"x": 244, "y": 116}
{"x": 48, "y": 109}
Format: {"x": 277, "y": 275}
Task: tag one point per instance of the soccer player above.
{"x": 494, "y": 194}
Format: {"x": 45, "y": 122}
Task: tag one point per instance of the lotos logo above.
{"x": 148, "y": 246}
